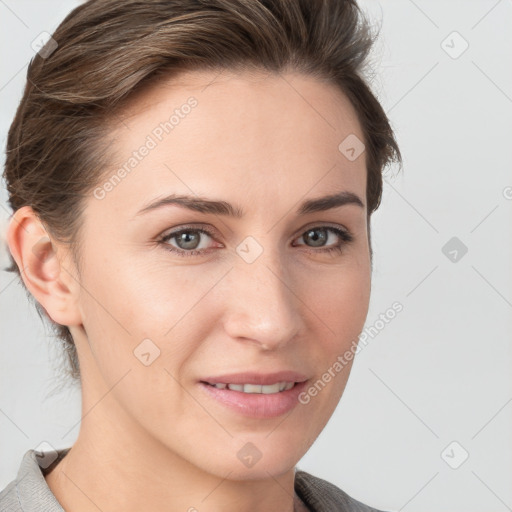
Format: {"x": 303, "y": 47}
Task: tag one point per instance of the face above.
{"x": 173, "y": 295}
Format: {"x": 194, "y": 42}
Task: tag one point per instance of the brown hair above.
{"x": 109, "y": 49}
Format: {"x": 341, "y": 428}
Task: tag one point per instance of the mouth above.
{"x": 265, "y": 389}
{"x": 258, "y": 401}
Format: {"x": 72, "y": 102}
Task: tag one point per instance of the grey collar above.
{"x": 31, "y": 477}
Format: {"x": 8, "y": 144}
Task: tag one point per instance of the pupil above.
{"x": 190, "y": 241}
{"x": 317, "y": 240}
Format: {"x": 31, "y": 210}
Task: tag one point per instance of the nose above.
{"x": 261, "y": 305}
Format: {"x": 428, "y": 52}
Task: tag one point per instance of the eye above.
{"x": 192, "y": 241}
{"x": 188, "y": 241}
{"x": 319, "y": 236}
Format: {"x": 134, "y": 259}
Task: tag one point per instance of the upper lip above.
{"x": 256, "y": 378}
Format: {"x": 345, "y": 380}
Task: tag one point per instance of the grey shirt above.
{"x": 29, "y": 492}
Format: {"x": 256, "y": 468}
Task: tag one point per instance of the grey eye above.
{"x": 188, "y": 239}
{"x": 318, "y": 240}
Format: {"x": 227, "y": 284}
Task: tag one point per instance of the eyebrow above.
{"x": 204, "y": 205}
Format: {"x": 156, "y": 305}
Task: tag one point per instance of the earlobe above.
{"x": 42, "y": 268}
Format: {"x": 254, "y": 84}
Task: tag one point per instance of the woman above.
{"x": 192, "y": 185}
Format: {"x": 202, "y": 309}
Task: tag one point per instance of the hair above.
{"x": 105, "y": 51}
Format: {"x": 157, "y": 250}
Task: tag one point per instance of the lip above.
{"x": 257, "y": 378}
{"x": 256, "y": 405}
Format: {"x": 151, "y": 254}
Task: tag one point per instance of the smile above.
{"x": 258, "y": 401}
{"x": 256, "y": 388}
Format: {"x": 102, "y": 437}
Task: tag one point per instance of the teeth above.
{"x": 251, "y": 388}
{"x": 270, "y": 388}
{"x": 257, "y": 388}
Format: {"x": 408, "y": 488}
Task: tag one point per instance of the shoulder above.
{"x": 9, "y": 500}
{"x": 29, "y": 492}
{"x": 320, "y": 495}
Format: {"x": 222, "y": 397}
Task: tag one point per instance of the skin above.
{"x": 149, "y": 432}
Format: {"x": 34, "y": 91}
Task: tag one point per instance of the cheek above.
{"x": 341, "y": 306}
{"x": 341, "y": 300}
{"x": 140, "y": 337}
{"x": 129, "y": 304}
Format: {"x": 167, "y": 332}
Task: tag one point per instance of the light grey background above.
{"x": 440, "y": 371}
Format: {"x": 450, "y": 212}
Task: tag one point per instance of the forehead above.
{"x": 246, "y": 132}
{"x": 291, "y": 94}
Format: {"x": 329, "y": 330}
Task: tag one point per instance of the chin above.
{"x": 262, "y": 457}
{"x": 251, "y": 457}
{"x": 262, "y": 470}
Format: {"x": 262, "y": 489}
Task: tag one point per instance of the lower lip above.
{"x": 257, "y": 405}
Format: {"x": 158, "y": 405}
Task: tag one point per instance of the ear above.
{"x": 44, "y": 267}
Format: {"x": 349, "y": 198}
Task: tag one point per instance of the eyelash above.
{"x": 345, "y": 236}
